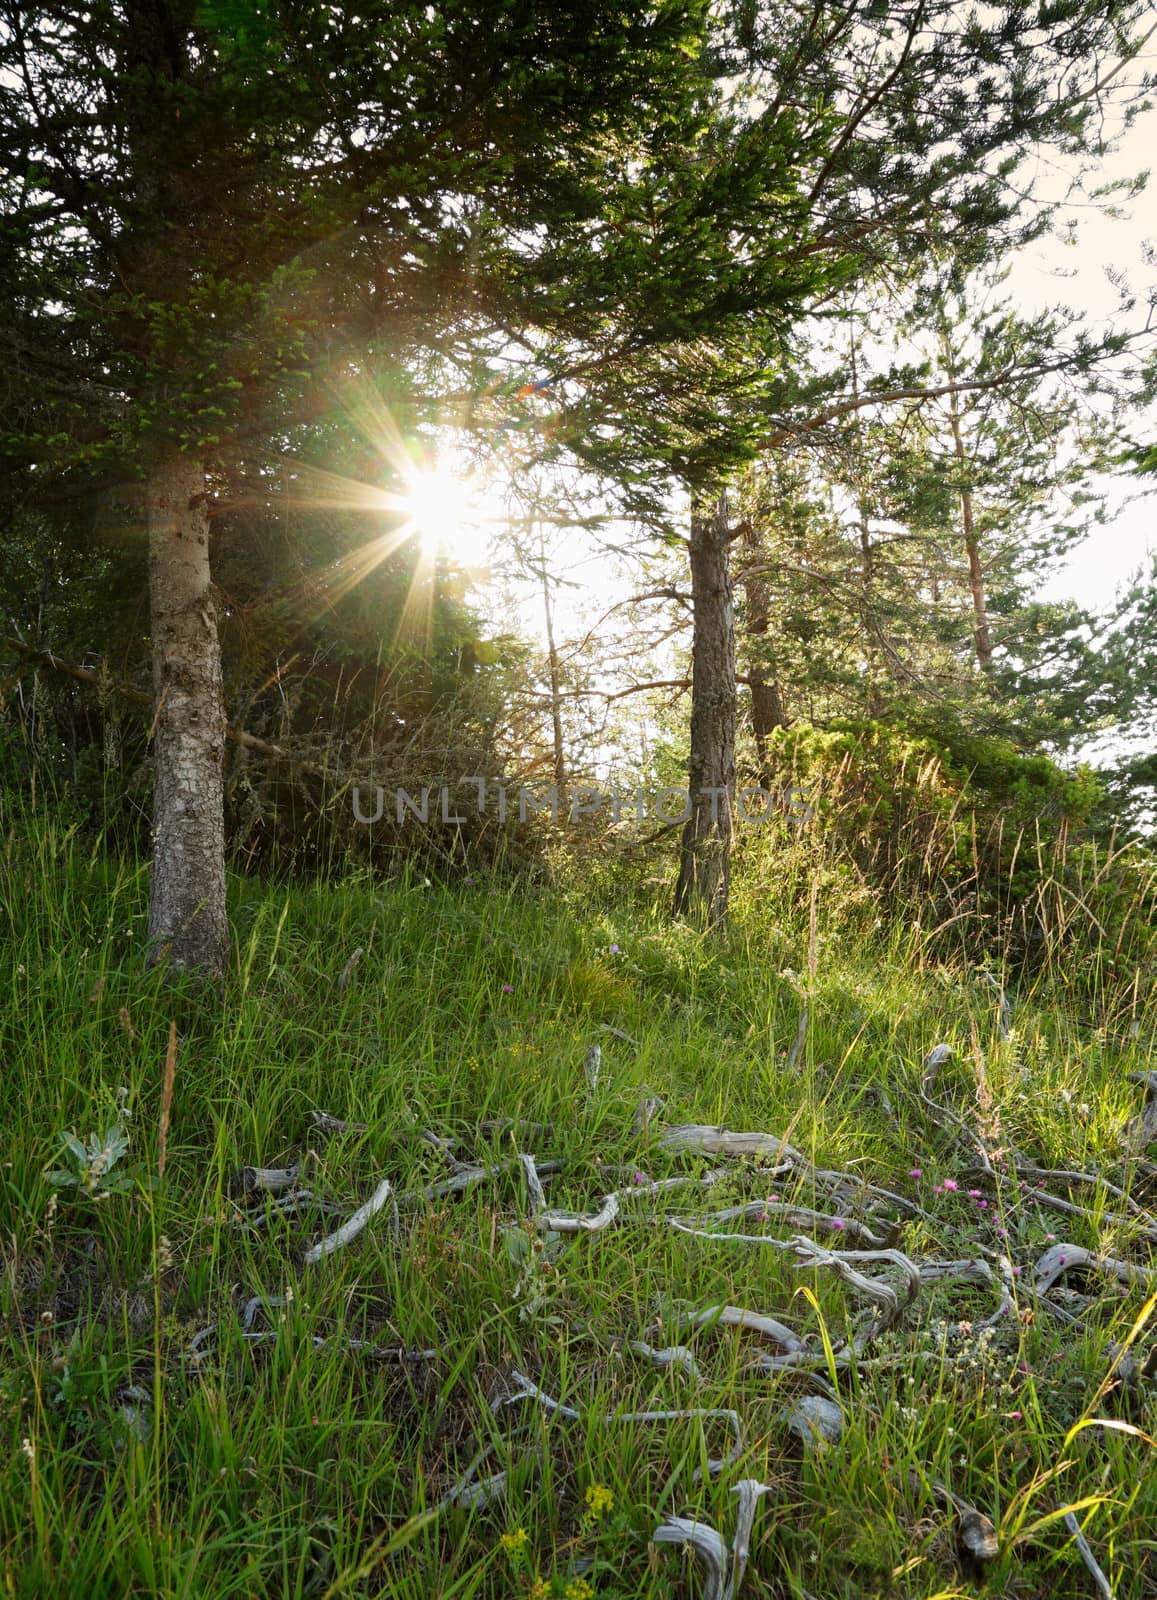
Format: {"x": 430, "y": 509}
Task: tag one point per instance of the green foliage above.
{"x": 91, "y": 1163}
{"x": 992, "y": 853}
{"x": 143, "y": 1454}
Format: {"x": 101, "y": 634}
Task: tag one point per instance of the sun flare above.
{"x": 442, "y": 511}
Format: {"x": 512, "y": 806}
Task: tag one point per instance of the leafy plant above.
{"x": 91, "y": 1164}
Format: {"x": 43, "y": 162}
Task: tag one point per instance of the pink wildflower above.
{"x": 916, "y": 1172}
{"x": 950, "y": 1186}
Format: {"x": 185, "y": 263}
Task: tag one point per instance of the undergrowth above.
{"x": 145, "y": 1456}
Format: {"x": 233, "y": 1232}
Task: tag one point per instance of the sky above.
{"x": 1052, "y": 272}
{"x": 1075, "y": 268}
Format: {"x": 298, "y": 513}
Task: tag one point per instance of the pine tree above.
{"x": 214, "y": 212}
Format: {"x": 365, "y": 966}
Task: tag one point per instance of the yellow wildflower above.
{"x": 512, "y": 1543}
{"x": 579, "y": 1589}
{"x": 600, "y": 1500}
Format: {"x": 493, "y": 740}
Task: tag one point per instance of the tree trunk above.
{"x": 705, "y": 863}
{"x": 981, "y": 632}
{"x": 188, "y": 926}
{"x": 767, "y": 707}
{"x": 559, "y": 748}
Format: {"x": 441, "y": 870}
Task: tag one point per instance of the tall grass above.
{"x": 139, "y": 1459}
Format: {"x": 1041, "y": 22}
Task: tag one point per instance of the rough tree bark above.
{"x": 767, "y": 707}
{"x": 559, "y": 748}
{"x": 980, "y": 629}
{"x": 188, "y": 926}
{"x": 705, "y": 861}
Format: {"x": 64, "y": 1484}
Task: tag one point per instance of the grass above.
{"x": 136, "y": 1462}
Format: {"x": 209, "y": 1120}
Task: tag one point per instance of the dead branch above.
{"x": 349, "y": 1230}
{"x": 1062, "y": 1258}
{"x": 1099, "y": 1579}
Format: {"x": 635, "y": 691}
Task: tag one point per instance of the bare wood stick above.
{"x": 581, "y": 1222}
{"x": 702, "y": 1139}
{"x": 1062, "y": 1258}
{"x": 466, "y": 1177}
{"x": 526, "y": 1390}
{"x": 706, "y": 1544}
{"x": 941, "y": 1110}
{"x": 937, "y": 1271}
{"x": 681, "y": 1180}
{"x": 592, "y": 1066}
{"x": 1071, "y": 1207}
{"x": 476, "y": 1496}
{"x": 347, "y": 971}
{"x": 595, "y": 1222}
{"x": 1025, "y": 1169}
{"x": 797, "y": 1216}
{"x": 535, "y": 1130}
{"x": 349, "y": 1230}
{"x": 331, "y": 1124}
{"x": 675, "y": 1355}
{"x": 857, "y": 1191}
{"x": 880, "y": 1292}
{"x": 750, "y": 1492}
{"x": 566, "y": 1221}
{"x": 1104, "y": 1588}
{"x": 650, "y": 1107}
{"x": 286, "y": 1205}
{"x": 271, "y": 1179}
{"x": 933, "y": 1061}
{"x": 533, "y": 1183}
{"x": 753, "y": 1321}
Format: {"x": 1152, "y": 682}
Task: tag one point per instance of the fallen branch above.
{"x": 702, "y": 1139}
{"x": 331, "y": 1124}
{"x": 581, "y": 1222}
{"x": 815, "y": 1420}
{"x": 877, "y": 1290}
{"x": 349, "y": 1230}
{"x": 1102, "y": 1583}
{"x": 750, "y": 1492}
{"x": 592, "y": 1066}
{"x": 1062, "y": 1258}
{"x": 798, "y": 1216}
{"x": 675, "y": 1355}
{"x": 272, "y": 1179}
{"x": 526, "y": 1390}
{"x": 753, "y": 1321}
{"x": 1030, "y": 1191}
{"x": 938, "y": 1271}
{"x": 1025, "y": 1169}
{"x": 706, "y": 1545}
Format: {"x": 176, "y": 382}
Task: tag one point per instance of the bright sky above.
{"x": 1077, "y": 272}
{"x": 1078, "y": 275}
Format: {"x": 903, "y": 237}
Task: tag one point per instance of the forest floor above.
{"x": 200, "y": 1402}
